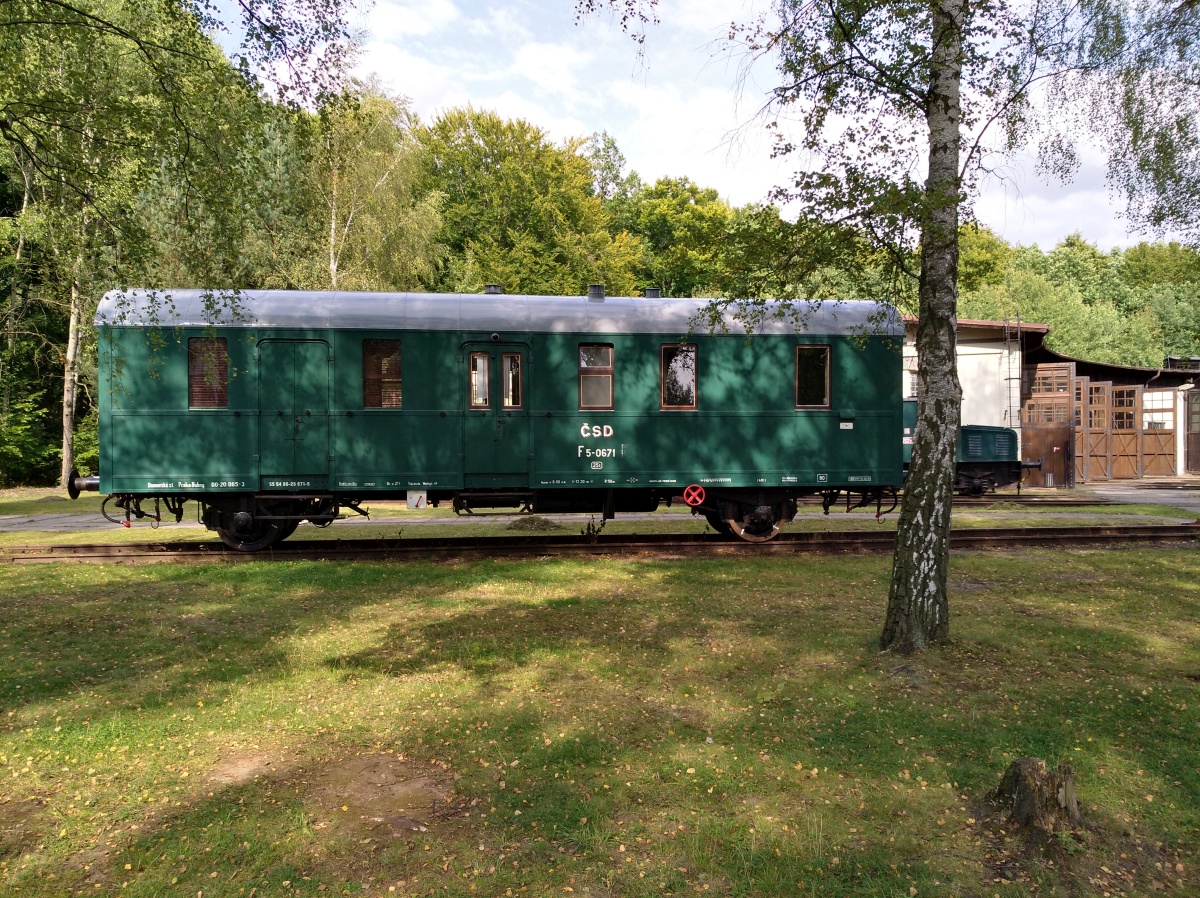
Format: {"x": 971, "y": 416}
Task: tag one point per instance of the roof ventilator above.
{"x": 653, "y": 293}
{"x": 492, "y": 289}
{"x": 595, "y": 293}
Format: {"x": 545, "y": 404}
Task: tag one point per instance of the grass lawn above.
{"x": 599, "y": 727}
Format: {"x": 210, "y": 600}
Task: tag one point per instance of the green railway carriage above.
{"x": 299, "y": 404}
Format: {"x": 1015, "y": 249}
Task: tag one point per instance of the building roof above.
{"x": 469, "y": 312}
{"x": 1121, "y": 375}
{"x": 1025, "y": 327}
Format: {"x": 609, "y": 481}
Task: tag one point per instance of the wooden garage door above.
{"x": 1051, "y": 445}
{"x": 1081, "y": 418}
{"x": 1158, "y": 433}
{"x": 1193, "y": 432}
{"x": 1099, "y": 442}
{"x": 1126, "y": 454}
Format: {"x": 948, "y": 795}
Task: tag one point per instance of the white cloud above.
{"x": 553, "y": 68}
{"x": 394, "y": 20}
{"x": 675, "y": 110}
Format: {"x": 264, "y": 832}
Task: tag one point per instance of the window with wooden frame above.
{"x": 479, "y": 395}
{"x": 677, "y": 381}
{"x": 596, "y": 374}
{"x": 510, "y": 372}
{"x": 208, "y": 372}
{"x": 812, "y": 377}
{"x": 1158, "y": 410}
{"x": 381, "y": 374}
{"x": 1124, "y": 406}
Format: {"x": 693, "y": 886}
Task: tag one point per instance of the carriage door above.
{"x": 496, "y": 429}
{"x": 293, "y": 423}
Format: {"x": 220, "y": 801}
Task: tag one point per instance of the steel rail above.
{"x": 810, "y": 542}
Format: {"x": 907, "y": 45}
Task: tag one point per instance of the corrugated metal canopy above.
{"x": 468, "y": 312}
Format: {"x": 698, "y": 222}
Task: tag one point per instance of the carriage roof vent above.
{"x": 653, "y": 293}
{"x": 492, "y": 289}
{"x": 595, "y": 293}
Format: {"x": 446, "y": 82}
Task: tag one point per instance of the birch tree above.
{"x": 895, "y": 112}
{"x": 378, "y": 233}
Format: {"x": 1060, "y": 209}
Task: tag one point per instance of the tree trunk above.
{"x": 1039, "y": 798}
{"x": 71, "y": 379}
{"x": 918, "y": 612}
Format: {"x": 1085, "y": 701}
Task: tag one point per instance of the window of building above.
{"x": 812, "y": 377}
{"x": 381, "y": 374}
{"x": 1124, "y": 405}
{"x": 510, "y": 371}
{"x": 480, "y": 397}
{"x": 1158, "y": 410}
{"x": 208, "y": 372}
{"x": 595, "y": 376}
{"x": 678, "y": 376}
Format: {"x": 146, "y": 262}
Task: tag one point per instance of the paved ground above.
{"x": 1183, "y": 492}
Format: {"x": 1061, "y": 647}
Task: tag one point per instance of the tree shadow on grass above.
{"x": 101, "y": 638}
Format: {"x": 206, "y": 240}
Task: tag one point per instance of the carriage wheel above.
{"x": 718, "y": 524}
{"x": 258, "y": 536}
{"x": 755, "y": 524}
{"x": 286, "y": 529}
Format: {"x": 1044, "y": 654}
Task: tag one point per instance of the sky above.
{"x": 682, "y": 107}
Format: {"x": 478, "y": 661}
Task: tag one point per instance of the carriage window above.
{"x": 812, "y": 377}
{"x": 595, "y": 376}
{"x": 479, "y": 379}
{"x": 678, "y": 379}
{"x": 510, "y": 371}
{"x": 381, "y": 374}
{"x": 208, "y": 372}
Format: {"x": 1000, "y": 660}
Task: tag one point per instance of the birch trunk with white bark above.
{"x": 918, "y": 611}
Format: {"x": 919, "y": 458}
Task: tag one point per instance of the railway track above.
{"x": 822, "y": 542}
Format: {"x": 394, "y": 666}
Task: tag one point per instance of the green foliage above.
{"x": 87, "y": 443}
{"x": 682, "y": 228}
{"x": 765, "y": 255}
{"x": 518, "y": 210}
{"x": 364, "y": 167}
{"x": 983, "y": 257}
{"x": 28, "y": 453}
{"x": 1152, "y": 264}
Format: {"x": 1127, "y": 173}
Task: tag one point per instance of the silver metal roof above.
{"x": 469, "y": 312}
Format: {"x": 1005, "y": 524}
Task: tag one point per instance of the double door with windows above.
{"x": 496, "y": 428}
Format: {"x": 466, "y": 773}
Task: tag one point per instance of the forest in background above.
{"x": 215, "y": 185}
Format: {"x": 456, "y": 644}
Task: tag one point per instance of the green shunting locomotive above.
{"x": 269, "y": 408}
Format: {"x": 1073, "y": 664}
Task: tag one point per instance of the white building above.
{"x": 1085, "y": 421}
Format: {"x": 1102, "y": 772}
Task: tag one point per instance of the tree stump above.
{"x": 1039, "y": 798}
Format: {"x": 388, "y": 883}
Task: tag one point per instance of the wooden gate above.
{"x": 1081, "y": 434}
{"x": 1158, "y": 433}
{"x": 1126, "y": 447}
{"x": 1099, "y": 442}
{"x": 1193, "y": 432}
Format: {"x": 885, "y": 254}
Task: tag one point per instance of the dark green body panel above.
{"x": 295, "y": 418}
